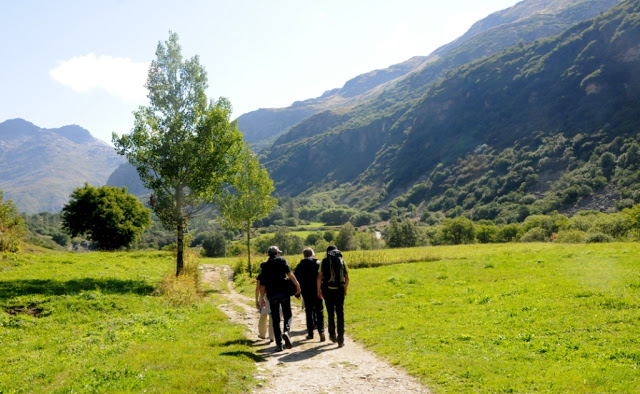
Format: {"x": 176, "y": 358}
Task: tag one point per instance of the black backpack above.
{"x": 336, "y": 267}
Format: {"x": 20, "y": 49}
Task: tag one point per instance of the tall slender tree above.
{"x": 248, "y": 198}
{"x": 183, "y": 147}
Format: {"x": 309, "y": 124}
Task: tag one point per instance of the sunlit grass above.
{"x": 101, "y": 322}
{"x": 500, "y": 318}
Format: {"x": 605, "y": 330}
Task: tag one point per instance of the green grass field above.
{"x": 507, "y": 318}
{"x": 92, "y": 322}
{"x": 480, "y": 318}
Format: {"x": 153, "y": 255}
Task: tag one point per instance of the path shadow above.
{"x": 298, "y": 333}
{"x": 294, "y": 355}
{"x": 21, "y": 287}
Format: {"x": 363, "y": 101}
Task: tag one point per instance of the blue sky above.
{"x": 85, "y": 62}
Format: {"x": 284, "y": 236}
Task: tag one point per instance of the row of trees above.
{"x": 585, "y": 226}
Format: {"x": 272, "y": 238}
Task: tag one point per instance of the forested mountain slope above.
{"x": 524, "y": 22}
{"x": 549, "y": 126}
{"x": 260, "y": 127}
{"x": 548, "y": 111}
{"x": 363, "y": 136}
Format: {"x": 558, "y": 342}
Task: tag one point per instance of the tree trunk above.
{"x": 249, "y": 248}
{"x": 180, "y": 232}
{"x": 180, "y": 247}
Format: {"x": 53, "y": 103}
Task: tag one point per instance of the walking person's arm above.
{"x": 263, "y": 291}
{"x": 346, "y": 283}
{"x": 320, "y": 284}
{"x": 258, "y": 294}
{"x": 295, "y": 281}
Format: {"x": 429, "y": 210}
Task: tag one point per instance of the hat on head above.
{"x": 273, "y": 250}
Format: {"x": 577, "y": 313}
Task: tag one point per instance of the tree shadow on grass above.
{"x": 245, "y": 342}
{"x": 240, "y": 353}
{"x": 16, "y": 288}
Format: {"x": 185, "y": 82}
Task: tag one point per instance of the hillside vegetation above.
{"x": 531, "y": 122}
{"x": 524, "y": 22}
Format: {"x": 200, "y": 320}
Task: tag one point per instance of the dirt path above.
{"x": 310, "y": 366}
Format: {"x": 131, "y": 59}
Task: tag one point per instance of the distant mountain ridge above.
{"x": 366, "y": 136}
{"x": 524, "y": 22}
{"x": 550, "y": 125}
{"x": 263, "y": 125}
{"x": 371, "y": 113}
{"x": 39, "y": 168}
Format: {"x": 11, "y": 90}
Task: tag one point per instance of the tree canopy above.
{"x": 183, "y": 147}
{"x": 109, "y": 216}
{"x": 249, "y": 198}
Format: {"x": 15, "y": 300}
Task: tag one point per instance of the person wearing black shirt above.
{"x": 307, "y": 274}
{"x": 333, "y": 281}
{"x": 274, "y": 285}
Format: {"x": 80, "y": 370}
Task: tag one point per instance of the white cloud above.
{"x": 118, "y": 76}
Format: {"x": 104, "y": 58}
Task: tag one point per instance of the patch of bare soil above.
{"x": 310, "y": 366}
{"x": 29, "y": 310}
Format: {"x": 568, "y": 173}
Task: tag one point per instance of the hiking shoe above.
{"x": 309, "y": 336}
{"x": 279, "y": 348}
{"x": 322, "y": 338}
{"x": 340, "y": 344}
{"x": 287, "y": 341}
{"x": 332, "y": 338}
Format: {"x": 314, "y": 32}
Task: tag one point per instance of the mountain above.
{"x": 525, "y": 22}
{"x": 361, "y": 148}
{"x": 39, "y": 168}
{"x": 527, "y": 127}
{"x": 365, "y": 135}
{"x": 261, "y": 126}
{"x": 127, "y": 176}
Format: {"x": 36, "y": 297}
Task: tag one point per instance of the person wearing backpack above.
{"x": 332, "y": 284}
{"x": 274, "y": 285}
{"x": 307, "y": 274}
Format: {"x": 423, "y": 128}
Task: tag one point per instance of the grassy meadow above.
{"x": 96, "y": 322}
{"x": 472, "y": 318}
{"x": 507, "y": 318}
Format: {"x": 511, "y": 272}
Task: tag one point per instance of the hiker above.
{"x": 307, "y": 274}
{"x": 332, "y": 284}
{"x": 275, "y": 286}
{"x": 265, "y": 313}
